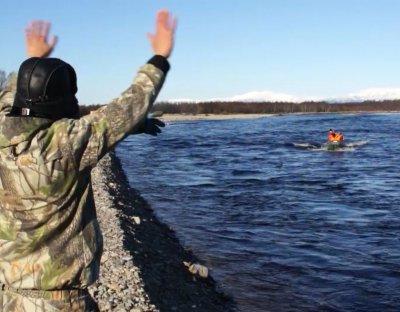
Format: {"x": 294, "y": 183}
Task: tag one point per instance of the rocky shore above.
{"x": 143, "y": 263}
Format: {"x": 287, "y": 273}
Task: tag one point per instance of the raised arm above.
{"x": 94, "y": 135}
{"x": 162, "y": 42}
{"x": 36, "y": 39}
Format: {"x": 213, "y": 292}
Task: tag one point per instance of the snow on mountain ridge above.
{"x": 377, "y": 94}
{"x": 262, "y": 96}
{"x": 371, "y": 94}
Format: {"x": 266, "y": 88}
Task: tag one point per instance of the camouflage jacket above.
{"x": 49, "y": 234}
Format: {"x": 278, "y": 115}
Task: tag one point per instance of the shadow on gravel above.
{"x": 158, "y": 254}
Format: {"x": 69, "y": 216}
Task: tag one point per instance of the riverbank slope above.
{"x": 142, "y": 265}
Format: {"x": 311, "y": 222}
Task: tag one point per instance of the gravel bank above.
{"x": 142, "y": 264}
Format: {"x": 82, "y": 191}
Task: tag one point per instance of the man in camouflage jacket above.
{"x": 50, "y": 241}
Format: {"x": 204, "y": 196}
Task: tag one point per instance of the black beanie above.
{"x": 46, "y": 88}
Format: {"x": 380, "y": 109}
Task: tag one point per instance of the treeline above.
{"x": 275, "y": 107}
{"x": 226, "y": 108}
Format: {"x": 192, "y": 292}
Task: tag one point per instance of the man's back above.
{"x": 50, "y": 241}
{"x": 49, "y": 236}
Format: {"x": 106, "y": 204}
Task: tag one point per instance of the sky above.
{"x": 223, "y": 48}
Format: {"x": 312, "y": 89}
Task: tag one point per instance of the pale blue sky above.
{"x": 223, "y": 47}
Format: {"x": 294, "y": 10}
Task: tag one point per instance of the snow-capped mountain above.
{"x": 268, "y": 96}
{"x": 372, "y": 94}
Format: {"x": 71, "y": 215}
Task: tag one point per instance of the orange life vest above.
{"x": 332, "y": 136}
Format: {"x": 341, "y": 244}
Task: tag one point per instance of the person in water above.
{"x": 331, "y": 135}
{"x": 334, "y": 137}
{"x": 50, "y": 239}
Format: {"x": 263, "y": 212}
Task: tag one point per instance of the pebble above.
{"x": 112, "y": 292}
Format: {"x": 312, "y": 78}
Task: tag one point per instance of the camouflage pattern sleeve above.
{"x": 92, "y": 136}
{"x": 7, "y": 95}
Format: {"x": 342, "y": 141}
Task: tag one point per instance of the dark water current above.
{"x": 282, "y": 223}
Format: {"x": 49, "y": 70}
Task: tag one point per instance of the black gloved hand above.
{"x": 151, "y": 126}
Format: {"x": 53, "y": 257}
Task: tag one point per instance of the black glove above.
{"x": 151, "y": 126}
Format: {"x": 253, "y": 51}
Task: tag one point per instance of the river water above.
{"x": 282, "y": 223}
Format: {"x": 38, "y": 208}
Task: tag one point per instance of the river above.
{"x": 282, "y": 223}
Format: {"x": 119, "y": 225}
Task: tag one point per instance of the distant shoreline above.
{"x": 185, "y": 117}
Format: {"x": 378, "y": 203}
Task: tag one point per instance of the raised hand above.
{"x": 36, "y": 39}
{"x": 151, "y": 125}
{"x": 162, "y": 41}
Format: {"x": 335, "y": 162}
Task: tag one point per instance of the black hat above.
{"x": 46, "y": 88}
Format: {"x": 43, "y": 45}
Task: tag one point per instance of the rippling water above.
{"x": 283, "y": 223}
